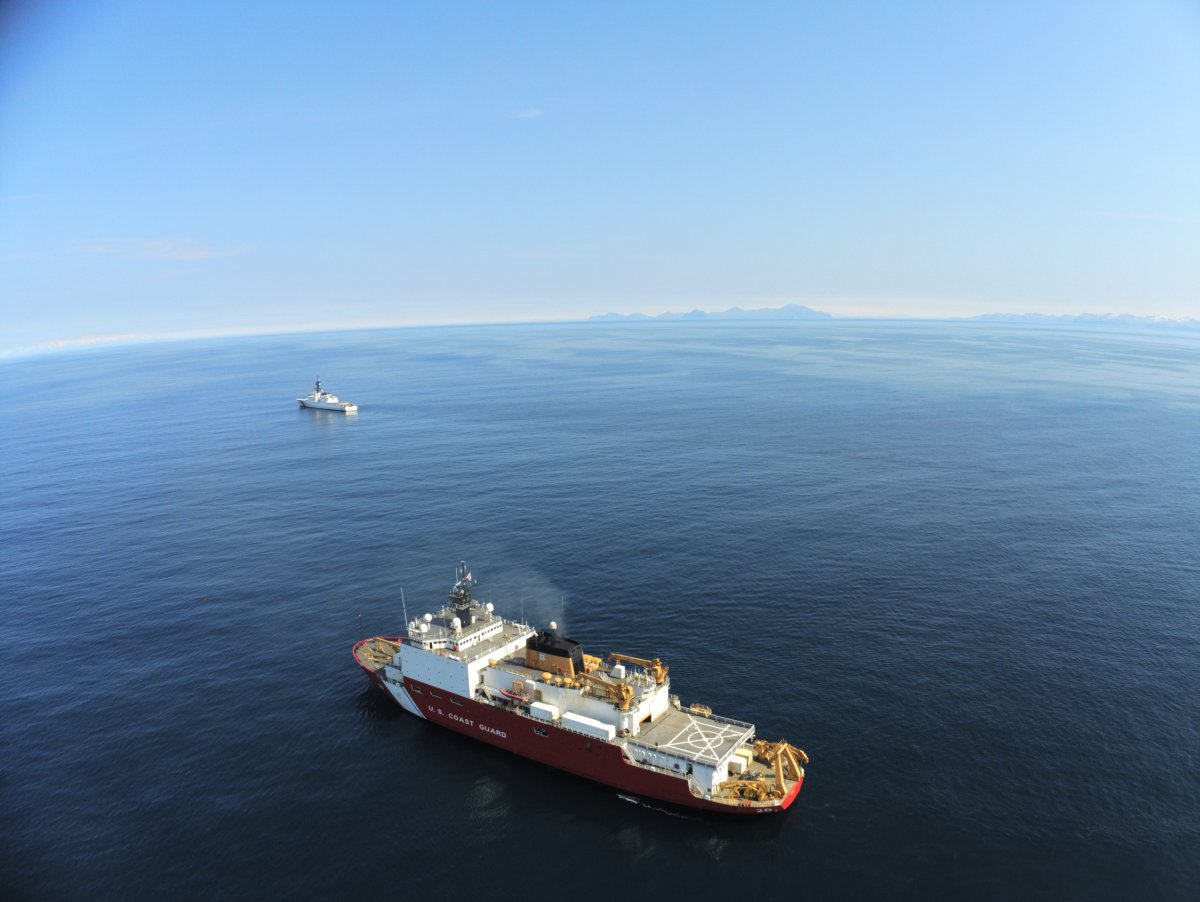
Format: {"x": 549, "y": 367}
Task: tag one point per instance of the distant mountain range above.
{"x": 790, "y": 311}
{"x": 799, "y": 311}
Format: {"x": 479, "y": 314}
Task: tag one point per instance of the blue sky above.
{"x": 200, "y": 168}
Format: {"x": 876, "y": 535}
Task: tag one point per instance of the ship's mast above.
{"x": 460, "y": 595}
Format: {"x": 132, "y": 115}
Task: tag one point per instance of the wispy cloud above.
{"x": 85, "y": 340}
{"x": 528, "y": 113}
{"x": 186, "y": 249}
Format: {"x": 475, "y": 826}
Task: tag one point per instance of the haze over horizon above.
{"x": 193, "y": 169}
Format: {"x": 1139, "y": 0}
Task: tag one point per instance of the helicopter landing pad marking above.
{"x": 693, "y": 736}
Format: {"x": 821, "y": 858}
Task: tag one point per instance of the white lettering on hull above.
{"x": 466, "y": 721}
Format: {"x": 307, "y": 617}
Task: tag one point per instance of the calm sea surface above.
{"x": 958, "y": 563}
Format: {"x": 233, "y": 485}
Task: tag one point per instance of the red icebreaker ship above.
{"x": 613, "y": 720}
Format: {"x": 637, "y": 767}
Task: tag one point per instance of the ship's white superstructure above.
{"x": 319, "y": 399}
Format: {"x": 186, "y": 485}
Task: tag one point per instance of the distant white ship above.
{"x": 319, "y": 399}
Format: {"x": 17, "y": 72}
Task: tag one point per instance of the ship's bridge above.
{"x": 445, "y": 632}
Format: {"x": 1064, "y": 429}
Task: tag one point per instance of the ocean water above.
{"x": 958, "y": 563}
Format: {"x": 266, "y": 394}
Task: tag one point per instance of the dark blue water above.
{"x": 957, "y": 563}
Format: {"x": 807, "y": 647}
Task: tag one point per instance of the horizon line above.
{"x": 83, "y": 342}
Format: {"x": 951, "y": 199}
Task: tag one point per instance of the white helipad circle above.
{"x": 702, "y": 738}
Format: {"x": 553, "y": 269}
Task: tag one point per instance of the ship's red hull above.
{"x": 593, "y": 759}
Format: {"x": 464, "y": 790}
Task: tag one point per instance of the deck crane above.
{"x": 655, "y": 667}
{"x": 785, "y": 759}
{"x": 620, "y": 693}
